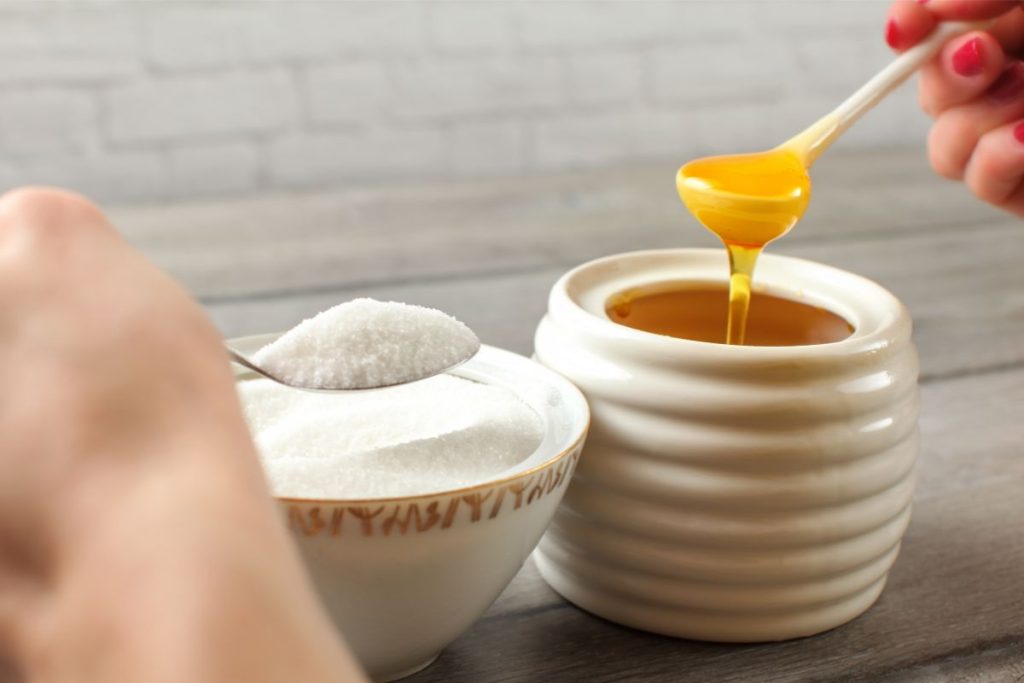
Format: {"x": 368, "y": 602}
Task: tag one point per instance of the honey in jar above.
{"x": 700, "y": 312}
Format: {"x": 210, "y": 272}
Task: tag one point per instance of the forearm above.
{"x": 181, "y": 580}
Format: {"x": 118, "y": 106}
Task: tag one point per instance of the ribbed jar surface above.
{"x": 732, "y": 493}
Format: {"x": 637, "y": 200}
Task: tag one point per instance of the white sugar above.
{"x": 367, "y": 343}
{"x": 435, "y": 435}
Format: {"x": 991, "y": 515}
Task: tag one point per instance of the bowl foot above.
{"x": 395, "y": 675}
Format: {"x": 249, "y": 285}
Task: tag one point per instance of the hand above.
{"x": 137, "y": 540}
{"x": 974, "y": 89}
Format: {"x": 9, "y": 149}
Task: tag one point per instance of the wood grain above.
{"x": 967, "y": 317}
{"x": 489, "y": 251}
{"x": 954, "y": 597}
{"x": 364, "y": 237}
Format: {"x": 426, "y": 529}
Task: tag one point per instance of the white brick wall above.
{"x": 214, "y": 168}
{"x": 159, "y": 100}
{"x": 189, "y": 107}
{"x": 46, "y": 120}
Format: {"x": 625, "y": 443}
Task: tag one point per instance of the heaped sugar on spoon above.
{"x": 748, "y": 200}
{"x": 364, "y": 344}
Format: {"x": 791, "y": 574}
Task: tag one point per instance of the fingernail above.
{"x": 922, "y": 2}
{"x": 1010, "y": 83}
{"x": 1018, "y": 131}
{"x": 892, "y": 35}
{"x": 967, "y": 60}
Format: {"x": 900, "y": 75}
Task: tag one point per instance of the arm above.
{"x": 137, "y": 539}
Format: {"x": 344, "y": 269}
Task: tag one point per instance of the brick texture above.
{"x": 153, "y": 101}
{"x": 195, "y": 106}
{"x": 46, "y": 120}
{"x": 367, "y": 154}
{"x": 352, "y": 92}
{"x": 213, "y": 169}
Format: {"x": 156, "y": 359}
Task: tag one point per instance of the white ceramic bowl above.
{"x": 403, "y": 577}
{"x": 732, "y": 493}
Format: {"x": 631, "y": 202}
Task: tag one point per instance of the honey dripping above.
{"x": 748, "y": 200}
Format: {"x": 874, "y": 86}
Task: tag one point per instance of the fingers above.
{"x": 996, "y": 168}
{"x": 907, "y": 23}
{"x": 47, "y": 208}
{"x": 964, "y": 69}
{"x": 969, "y": 10}
{"x": 37, "y": 217}
{"x": 974, "y": 88}
{"x": 1015, "y": 203}
{"x": 958, "y": 130}
{"x": 1009, "y": 31}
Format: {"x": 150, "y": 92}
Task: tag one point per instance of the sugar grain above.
{"x": 435, "y": 435}
{"x": 367, "y": 343}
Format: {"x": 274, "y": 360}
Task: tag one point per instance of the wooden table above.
{"x": 488, "y": 252}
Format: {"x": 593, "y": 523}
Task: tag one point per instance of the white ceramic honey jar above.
{"x": 732, "y": 493}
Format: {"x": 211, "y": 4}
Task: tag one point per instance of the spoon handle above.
{"x": 237, "y": 357}
{"x": 816, "y": 138}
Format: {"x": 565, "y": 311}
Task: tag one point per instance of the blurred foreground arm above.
{"x": 137, "y": 540}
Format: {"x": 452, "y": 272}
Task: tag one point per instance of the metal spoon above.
{"x": 238, "y": 357}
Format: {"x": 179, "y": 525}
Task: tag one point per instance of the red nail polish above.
{"x": 892, "y": 35}
{"x": 967, "y": 60}
{"x": 1018, "y": 131}
{"x": 1010, "y": 83}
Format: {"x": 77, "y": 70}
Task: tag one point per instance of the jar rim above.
{"x": 879, "y": 320}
